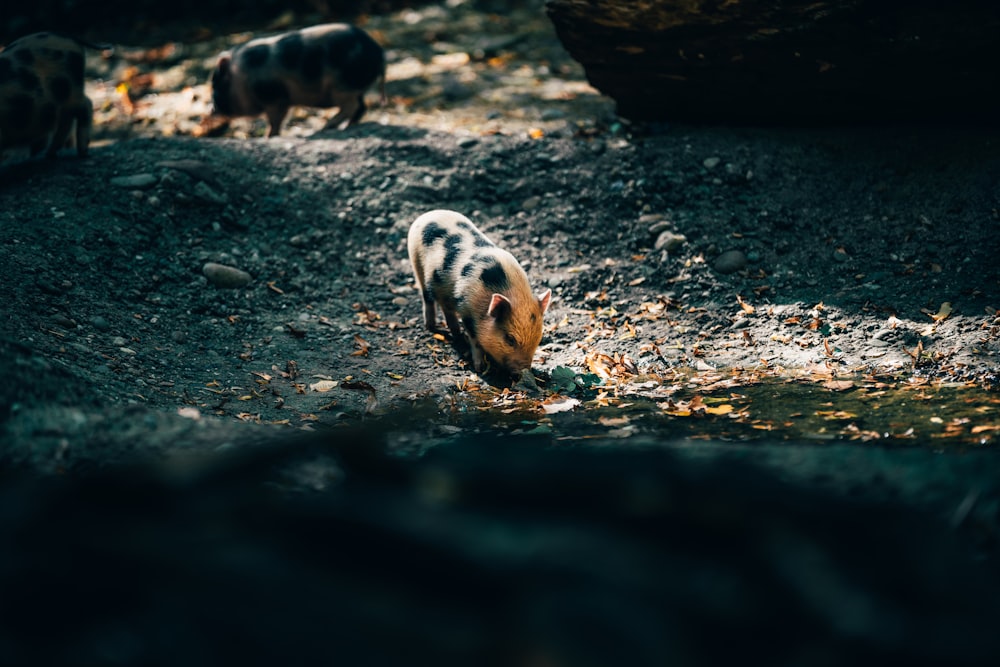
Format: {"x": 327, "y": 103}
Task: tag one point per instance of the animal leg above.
{"x": 84, "y": 120}
{"x": 275, "y": 117}
{"x": 347, "y": 113}
{"x": 61, "y": 133}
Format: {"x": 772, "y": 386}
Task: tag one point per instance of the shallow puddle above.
{"x": 905, "y": 412}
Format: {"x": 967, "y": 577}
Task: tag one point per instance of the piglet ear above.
{"x": 544, "y": 299}
{"x": 499, "y": 306}
{"x": 225, "y": 61}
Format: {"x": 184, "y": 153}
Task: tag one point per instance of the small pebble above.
{"x": 730, "y": 261}
{"x": 226, "y": 277}
{"x": 467, "y": 142}
{"x": 669, "y": 240}
{"x": 135, "y": 181}
{"x": 553, "y": 114}
{"x": 99, "y": 323}
{"x": 205, "y": 193}
{"x": 531, "y": 203}
{"x": 840, "y": 255}
{"x": 400, "y": 301}
{"x": 659, "y": 227}
{"x": 711, "y": 162}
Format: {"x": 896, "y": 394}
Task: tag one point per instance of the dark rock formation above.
{"x": 800, "y": 61}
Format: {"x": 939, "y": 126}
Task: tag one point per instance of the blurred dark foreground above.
{"x": 328, "y": 550}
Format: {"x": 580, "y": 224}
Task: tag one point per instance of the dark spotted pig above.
{"x": 41, "y": 93}
{"x": 329, "y": 65}
{"x": 479, "y": 284}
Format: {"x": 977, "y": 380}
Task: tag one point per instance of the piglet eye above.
{"x": 511, "y": 340}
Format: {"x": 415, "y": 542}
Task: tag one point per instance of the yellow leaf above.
{"x": 719, "y": 409}
{"x": 942, "y": 312}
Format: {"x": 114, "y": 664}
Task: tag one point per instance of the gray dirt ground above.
{"x": 863, "y": 250}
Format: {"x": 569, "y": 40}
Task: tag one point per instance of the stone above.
{"x": 226, "y": 277}
{"x": 135, "y": 181}
{"x": 730, "y": 261}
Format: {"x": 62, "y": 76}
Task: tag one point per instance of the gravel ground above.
{"x": 710, "y": 252}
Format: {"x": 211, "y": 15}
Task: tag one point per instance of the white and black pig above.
{"x": 41, "y": 93}
{"x": 330, "y": 65}
{"x": 479, "y": 284}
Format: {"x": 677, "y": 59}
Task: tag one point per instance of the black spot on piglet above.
{"x": 452, "y": 248}
{"x": 356, "y": 56}
{"x": 432, "y": 233}
{"x": 289, "y": 50}
{"x": 256, "y": 56}
{"x": 494, "y": 278}
{"x": 312, "y": 63}
{"x": 268, "y": 91}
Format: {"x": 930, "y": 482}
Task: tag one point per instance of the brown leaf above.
{"x": 838, "y": 385}
{"x": 363, "y": 347}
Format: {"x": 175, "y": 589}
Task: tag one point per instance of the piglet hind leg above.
{"x": 349, "y": 112}
{"x": 61, "y": 133}
{"x": 275, "y": 117}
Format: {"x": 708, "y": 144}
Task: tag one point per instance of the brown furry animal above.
{"x": 476, "y": 282}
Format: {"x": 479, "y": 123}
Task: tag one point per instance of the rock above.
{"x": 840, "y": 255}
{"x": 659, "y": 227}
{"x": 711, "y": 162}
{"x": 780, "y": 61}
{"x": 730, "y": 261}
{"x": 669, "y": 240}
{"x": 100, "y": 323}
{"x": 135, "y": 181}
{"x": 204, "y": 192}
{"x": 531, "y": 203}
{"x": 226, "y": 277}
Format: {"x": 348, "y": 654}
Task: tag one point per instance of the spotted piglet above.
{"x": 330, "y": 65}
{"x": 41, "y": 93}
{"x": 479, "y": 284}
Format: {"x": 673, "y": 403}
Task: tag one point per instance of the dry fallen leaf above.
{"x": 323, "y": 385}
{"x": 559, "y": 404}
{"x": 363, "y": 347}
{"x": 838, "y": 385}
{"x": 943, "y": 312}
